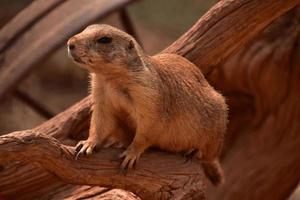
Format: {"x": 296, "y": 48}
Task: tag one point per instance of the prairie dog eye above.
{"x": 104, "y": 40}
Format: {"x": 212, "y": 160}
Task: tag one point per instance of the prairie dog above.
{"x": 146, "y": 101}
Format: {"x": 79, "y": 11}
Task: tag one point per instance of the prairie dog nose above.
{"x": 71, "y": 43}
{"x": 72, "y": 46}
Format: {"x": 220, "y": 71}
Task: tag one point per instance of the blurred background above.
{"x": 57, "y": 82}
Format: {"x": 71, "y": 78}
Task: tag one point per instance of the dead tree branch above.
{"x": 261, "y": 83}
{"x": 226, "y": 28}
{"x": 158, "y": 176}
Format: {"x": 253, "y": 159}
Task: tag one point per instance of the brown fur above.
{"x": 161, "y": 101}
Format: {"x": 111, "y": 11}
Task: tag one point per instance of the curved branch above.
{"x": 68, "y": 127}
{"x": 261, "y": 82}
{"x": 158, "y": 176}
{"x": 226, "y": 28}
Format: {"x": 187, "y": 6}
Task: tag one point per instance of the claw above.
{"x": 89, "y": 150}
{"x": 130, "y": 159}
{"x": 84, "y": 147}
{"x": 125, "y": 162}
{"x": 123, "y": 154}
{"x": 77, "y": 155}
{"x": 78, "y": 147}
{"x": 132, "y": 163}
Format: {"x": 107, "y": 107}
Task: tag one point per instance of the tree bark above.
{"x": 225, "y": 29}
{"x": 151, "y": 180}
{"x": 217, "y": 35}
{"x": 27, "y": 181}
{"x": 69, "y": 192}
{"x": 261, "y": 83}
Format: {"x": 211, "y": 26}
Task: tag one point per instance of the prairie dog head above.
{"x": 105, "y": 49}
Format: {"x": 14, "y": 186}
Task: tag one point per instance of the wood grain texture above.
{"x": 159, "y": 175}
{"x": 70, "y": 192}
{"x": 226, "y": 28}
{"x": 27, "y": 181}
{"x": 261, "y": 83}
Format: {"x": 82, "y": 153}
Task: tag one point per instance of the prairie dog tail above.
{"x": 214, "y": 172}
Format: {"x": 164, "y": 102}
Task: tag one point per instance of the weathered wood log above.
{"x": 25, "y": 180}
{"x": 225, "y": 29}
{"x": 189, "y": 45}
{"x": 261, "y": 83}
{"x": 159, "y": 175}
{"x": 70, "y": 192}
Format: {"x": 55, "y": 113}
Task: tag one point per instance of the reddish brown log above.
{"x": 27, "y": 181}
{"x": 70, "y": 192}
{"x": 226, "y": 28}
{"x": 158, "y": 176}
{"x": 261, "y": 83}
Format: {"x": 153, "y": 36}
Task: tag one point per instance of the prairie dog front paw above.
{"x": 86, "y": 147}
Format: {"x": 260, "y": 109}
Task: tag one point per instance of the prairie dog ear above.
{"x": 131, "y": 45}
{"x": 136, "y": 53}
